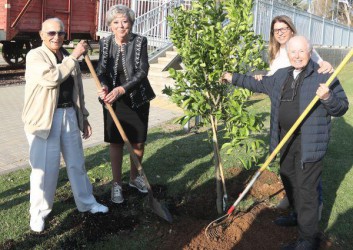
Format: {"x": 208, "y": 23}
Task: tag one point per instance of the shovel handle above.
{"x": 118, "y": 124}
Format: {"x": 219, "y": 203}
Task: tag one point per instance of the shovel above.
{"x": 223, "y": 219}
{"x": 156, "y": 207}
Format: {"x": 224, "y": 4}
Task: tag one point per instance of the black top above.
{"x": 66, "y": 88}
{"x": 121, "y": 79}
{"x": 289, "y": 110}
{"x": 135, "y": 64}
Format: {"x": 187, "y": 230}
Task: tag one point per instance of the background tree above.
{"x": 212, "y": 37}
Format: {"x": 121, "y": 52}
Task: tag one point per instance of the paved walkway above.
{"x": 13, "y": 143}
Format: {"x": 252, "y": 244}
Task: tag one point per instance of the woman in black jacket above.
{"x": 122, "y": 69}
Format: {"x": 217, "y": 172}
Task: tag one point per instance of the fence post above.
{"x": 134, "y": 6}
{"x": 333, "y": 33}
{"x": 100, "y": 15}
{"x": 164, "y": 24}
{"x": 349, "y": 37}
{"x": 323, "y": 30}
{"x": 256, "y": 4}
{"x": 272, "y": 9}
{"x": 310, "y": 28}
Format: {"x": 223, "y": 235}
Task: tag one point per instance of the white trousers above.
{"x": 64, "y": 137}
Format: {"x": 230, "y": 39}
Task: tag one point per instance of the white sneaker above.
{"x": 139, "y": 183}
{"x": 117, "y": 193}
{"x": 98, "y": 208}
{"x": 37, "y": 224}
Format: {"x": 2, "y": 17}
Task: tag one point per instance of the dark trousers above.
{"x": 300, "y": 182}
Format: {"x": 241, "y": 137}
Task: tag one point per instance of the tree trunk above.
{"x": 218, "y": 168}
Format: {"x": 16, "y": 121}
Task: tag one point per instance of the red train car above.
{"x": 20, "y": 21}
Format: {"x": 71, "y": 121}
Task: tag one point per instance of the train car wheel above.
{"x": 14, "y": 52}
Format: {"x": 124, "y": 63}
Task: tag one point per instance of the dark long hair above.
{"x": 274, "y": 46}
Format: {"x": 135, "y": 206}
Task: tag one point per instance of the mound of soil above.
{"x": 252, "y": 228}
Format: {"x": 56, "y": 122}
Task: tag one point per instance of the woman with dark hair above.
{"x": 283, "y": 29}
{"x": 122, "y": 69}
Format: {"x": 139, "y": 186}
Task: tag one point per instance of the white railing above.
{"x": 318, "y": 30}
{"x": 150, "y": 19}
{"x": 151, "y": 22}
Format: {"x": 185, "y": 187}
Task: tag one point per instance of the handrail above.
{"x": 151, "y": 22}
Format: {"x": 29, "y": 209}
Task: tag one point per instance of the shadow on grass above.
{"x": 337, "y": 164}
{"x": 162, "y": 165}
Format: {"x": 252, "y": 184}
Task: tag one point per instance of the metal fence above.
{"x": 318, "y": 30}
{"x": 150, "y": 19}
{"x": 151, "y": 22}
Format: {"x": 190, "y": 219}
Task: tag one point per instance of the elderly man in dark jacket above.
{"x": 291, "y": 89}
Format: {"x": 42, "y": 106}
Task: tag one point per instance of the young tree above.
{"x": 212, "y": 37}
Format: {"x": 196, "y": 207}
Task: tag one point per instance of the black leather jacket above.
{"x": 135, "y": 65}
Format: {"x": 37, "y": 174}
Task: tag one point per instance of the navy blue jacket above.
{"x": 315, "y": 129}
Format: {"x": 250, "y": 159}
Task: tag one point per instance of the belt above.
{"x": 64, "y": 105}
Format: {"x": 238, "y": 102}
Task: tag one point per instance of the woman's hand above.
{"x": 113, "y": 95}
{"x": 325, "y": 67}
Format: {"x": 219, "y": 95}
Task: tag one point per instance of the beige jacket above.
{"x": 43, "y": 78}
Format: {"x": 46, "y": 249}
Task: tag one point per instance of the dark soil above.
{"x": 250, "y": 226}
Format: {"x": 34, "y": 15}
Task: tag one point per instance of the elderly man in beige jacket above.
{"x": 54, "y": 113}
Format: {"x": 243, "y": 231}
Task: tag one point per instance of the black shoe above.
{"x": 287, "y": 221}
{"x": 302, "y": 244}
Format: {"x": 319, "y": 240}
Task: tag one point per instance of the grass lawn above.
{"x": 183, "y": 163}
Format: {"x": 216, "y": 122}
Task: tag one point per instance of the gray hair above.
{"x": 54, "y": 19}
{"x": 120, "y": 9}
{"x": 310, "y": 46}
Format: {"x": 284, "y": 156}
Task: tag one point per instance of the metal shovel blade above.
{"x": 160, "y": 209}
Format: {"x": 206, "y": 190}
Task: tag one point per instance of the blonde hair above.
{"x": 274, "y": 46}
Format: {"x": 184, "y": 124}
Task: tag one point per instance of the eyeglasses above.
{"x": 282, "y": 30}
{"x": 54, "y": 33}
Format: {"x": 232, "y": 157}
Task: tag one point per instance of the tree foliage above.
{"x": 212, "y": 37}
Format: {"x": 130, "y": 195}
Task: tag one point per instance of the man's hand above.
{"x": 103, "y": 92}
{"x": 226, "y": 77}
{"x": 323, "y": 92}
{"x": 80, "y": 49}
{"x": 258, "y": 77}
{"x": 87, "y": 130}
